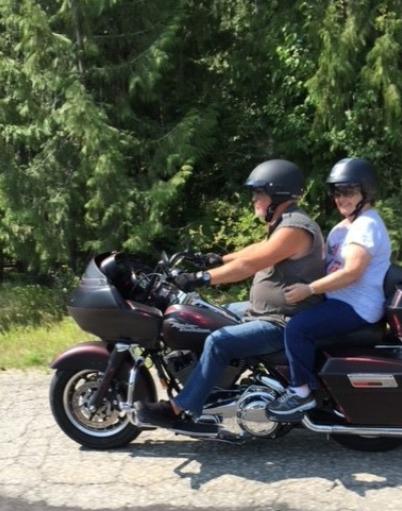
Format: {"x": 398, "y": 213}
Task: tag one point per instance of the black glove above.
{"x": 189, "y": 281}
{"x": 213, "y": 260}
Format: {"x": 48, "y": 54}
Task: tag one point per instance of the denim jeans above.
{"x": 238, "y": 308}
{"x": 329, "y": 318}
{"x": 248, "y": 339}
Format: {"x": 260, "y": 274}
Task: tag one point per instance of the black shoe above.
{"x": 292, "y": 418}
{"x": 155, "y": 414}
{"x": 161, "y": 414}
{"x": 190, "y": 427}
{"x": 290, "y": 404}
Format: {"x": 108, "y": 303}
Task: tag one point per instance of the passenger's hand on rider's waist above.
{"x": 297, "y": 293}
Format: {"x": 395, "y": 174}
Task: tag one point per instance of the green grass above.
{"x": 25, "y": 347}
{"x": 29, "y": 305}
{"x": 34, "y": 326}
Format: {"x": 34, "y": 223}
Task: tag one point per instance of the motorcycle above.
{"x": 143, "y": 319}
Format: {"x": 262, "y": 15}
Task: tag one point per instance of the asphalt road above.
{"x": 43, "y": 470}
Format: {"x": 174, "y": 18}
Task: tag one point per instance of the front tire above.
{"x": 108, "y": 428}
{"x": 366, "y": 443}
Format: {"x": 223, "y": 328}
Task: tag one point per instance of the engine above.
{"x": 250, "y": 413}
{"x": 241, "y": 411}
{"x": 180, "y": 363}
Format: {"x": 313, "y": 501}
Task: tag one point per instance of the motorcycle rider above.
{"x": 292, "y": 251}
{"x": 358, "y": 258}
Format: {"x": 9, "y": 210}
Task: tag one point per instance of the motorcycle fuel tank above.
{"x": 187, "y": 326}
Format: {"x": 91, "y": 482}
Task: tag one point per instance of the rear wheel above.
{"x": 367, "y": 443}
{"x": 108, "y": 427}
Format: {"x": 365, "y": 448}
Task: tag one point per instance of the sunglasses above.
{"x": 345, "y": 191}
{"x": 258, "y": 192}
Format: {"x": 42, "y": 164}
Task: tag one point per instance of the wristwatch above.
{"x": 203, "y": 277}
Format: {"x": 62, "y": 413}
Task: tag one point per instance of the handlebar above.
{"x": 137, "y": 281}
{"x": 196, "y": 258}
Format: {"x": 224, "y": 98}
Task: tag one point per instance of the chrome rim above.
{"x": 107, "y": 421}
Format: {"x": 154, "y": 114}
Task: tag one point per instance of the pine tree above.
{"x": 133, "y": 124}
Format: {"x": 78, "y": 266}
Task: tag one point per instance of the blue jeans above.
{"x": 238, "y": 308}
{"x": 329, "y": 318}
{"x": 248, "y": 339}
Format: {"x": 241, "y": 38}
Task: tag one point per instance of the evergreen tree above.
{"x": 134, "y": 124}
{"x": 356, "y": 94}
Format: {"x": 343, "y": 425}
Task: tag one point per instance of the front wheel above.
{"x": 108, "y": 427}
{"x": 367, "y": 443}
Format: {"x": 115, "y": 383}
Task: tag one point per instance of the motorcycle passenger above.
{"x": 358, "y": 256}
{"x": 293, "y": 251}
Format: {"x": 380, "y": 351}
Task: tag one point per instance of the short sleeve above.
{"x": 365, "y": 232}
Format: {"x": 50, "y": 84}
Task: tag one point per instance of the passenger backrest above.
{"x": 392, "y": 281}
{"x": 393, "y": 296}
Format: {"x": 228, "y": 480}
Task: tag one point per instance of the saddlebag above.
{"x": 367, "y": 388}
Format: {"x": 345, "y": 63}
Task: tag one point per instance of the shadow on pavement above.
{"x": 297, "y": 455}
{"x": 7, "y": 504}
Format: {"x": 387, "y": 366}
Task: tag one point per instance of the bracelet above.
{"x": 312, "y": 291}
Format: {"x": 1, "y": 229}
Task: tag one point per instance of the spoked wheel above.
{"x": 367, "y": 443}
{"x": 108, "y": 427}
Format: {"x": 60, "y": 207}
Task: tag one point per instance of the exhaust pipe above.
{"x": 351, "y": 430}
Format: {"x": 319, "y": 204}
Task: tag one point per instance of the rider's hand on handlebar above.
{"x": 213, "y": 260}
{"x": 190, "y": 281}
{"x": 209, "y": 260}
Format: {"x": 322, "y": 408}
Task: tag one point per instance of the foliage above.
{"x": 24, "y": 304}
{"x": 36, "y": 346}
{"x": 134, "y": 124}
{"x": 356, "y": 92}
{"x": 225, "y": 227}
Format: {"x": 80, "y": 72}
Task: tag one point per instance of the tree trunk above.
{"x": 78, "y": 35}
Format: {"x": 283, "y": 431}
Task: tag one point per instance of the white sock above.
{"x": 302, "y": 391}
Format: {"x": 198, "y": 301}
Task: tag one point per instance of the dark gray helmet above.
{"x": 354, "y": 171}
{"x": 282, "y": 180}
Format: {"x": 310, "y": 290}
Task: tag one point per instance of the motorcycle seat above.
{"x": 364, "y": 337}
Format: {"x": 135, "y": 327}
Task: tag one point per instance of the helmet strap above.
{"x": 271, "y": 209}
{"x": 270, "y": 212}
{"x": 359, "y": 207}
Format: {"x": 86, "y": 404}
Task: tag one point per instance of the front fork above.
{"x": 116, "y": 358}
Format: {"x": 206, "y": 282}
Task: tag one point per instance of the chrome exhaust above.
{"x": 351, "y": 430}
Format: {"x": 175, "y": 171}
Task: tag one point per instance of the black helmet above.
{"x": 282, "y": 180}
{"x": 124, "y": 272}
{"x": 355, "y": 171}
{"x": 118, "y": 272}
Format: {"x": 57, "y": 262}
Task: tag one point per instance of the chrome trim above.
{"x": 339, "y": 414}
{"x": 389, "y": 346}
{"x": 122, "y": 347}
{"x": 227, "y": 410}
{"x": 71, "y": 413}
{"x": 372, "y": 381}
{"x": 254, "y": 398}
{"x": 271, "y": 383}
{"x": 351, "y": 430}
{"x": 128, "y": 406}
